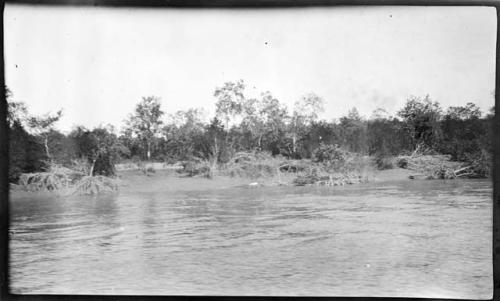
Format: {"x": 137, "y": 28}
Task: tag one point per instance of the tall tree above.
{"x": 230, "y": 101}
{"x": 305, "y": 112}
{"x": 253, "y": 121}
{"x": 146, "y": 120}
{"x": 462, "y": 131}
{"x": 275, "y": 116}
{"x": 16, "y": 111}
{"x": 42, "y": 126}
{"x": 353, "y": 130}
{"x": 421, "y": 117}
{"x": 182, "y": 132}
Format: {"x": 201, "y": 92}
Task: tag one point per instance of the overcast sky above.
{"x": 96, "y": 63}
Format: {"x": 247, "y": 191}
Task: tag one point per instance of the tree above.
{"x": 421, "y": 117}
{"x": 353, "y": 132}
{"x": 230, "y": 101}
{"x": 183, "y": 132}
{"x": 100, "y": 147}
{"x": 146, "y": 120}
{"x": 379, "y": 113}
{"x": 212, "y": 145}
{"x": 16, "y": 111}
{"x": 469, "y": 111}
{"x": 462, "y": 131}
{"x": 253, "y": 121}
{"x": 274, "y": 115}
{"x": 42, "y": 126}
{"x": 26, "y": 154}
{"x": 305, "y": 111}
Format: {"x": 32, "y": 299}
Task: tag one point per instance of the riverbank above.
{"x": 135, "y": 181}
{"x": 166, "y": 180}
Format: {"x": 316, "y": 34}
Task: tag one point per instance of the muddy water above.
{"x": 401, "y": 239}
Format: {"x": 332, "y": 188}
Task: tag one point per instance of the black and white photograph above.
{"x": 286, "y": 151}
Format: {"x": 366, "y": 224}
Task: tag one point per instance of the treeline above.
{"x": 241, "y": 123}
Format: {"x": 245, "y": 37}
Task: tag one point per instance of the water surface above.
{"x": 400, "y": 239}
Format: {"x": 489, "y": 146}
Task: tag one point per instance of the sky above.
{"x": 96, "y": 63}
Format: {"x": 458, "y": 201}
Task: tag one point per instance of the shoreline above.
{"x": 134, "y": 181}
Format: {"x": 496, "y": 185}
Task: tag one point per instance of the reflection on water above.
{"x": 407, "y": 239}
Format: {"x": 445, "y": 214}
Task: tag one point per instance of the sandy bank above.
{"x": 133, "y": 181}
{"x": 163, "y": 180}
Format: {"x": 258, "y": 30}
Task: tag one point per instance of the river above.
{"x": 401, "y": 239}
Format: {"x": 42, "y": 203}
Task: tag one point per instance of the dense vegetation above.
{"x": 249, "y": 125}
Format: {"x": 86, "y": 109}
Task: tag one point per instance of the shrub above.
{"x": 402, "y": 163}
{"x": 196, "y": 167}
{"x": 384, "y": 162}
{"x": 480, "y": 162}
{"x": 331, "y": 155}
{"x": 61, "y": 179}
{"x": 43, "y": 181}
{"x": 253, "y": 165}
{"x": 95, "y": 185}
{"x": 334, "y": 158}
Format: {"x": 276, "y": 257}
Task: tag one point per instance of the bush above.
{"x": 104, "y": 165}
{"x": 196, "y": 167}
{"x": 253, "y": 165}
{"x": 95, "y": 185}
{"x": 402, "y": 163}
{"x": 331, "y": 154}
{"x": 55, "y": 178}
{"x": 335, "y": 159}
{"x": 384, "y": 162}
{"x": 480, "y": 162}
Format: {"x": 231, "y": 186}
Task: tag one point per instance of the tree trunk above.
{"x": 294, "y": 143}
{"x": 260, "y": 142}
{"x": 149, "y": 150}
{"x": 227, "y": 131}
{"x": 46, "y": 144}
{"x": 215, "y": 157}
{"x": 92, "y": 167}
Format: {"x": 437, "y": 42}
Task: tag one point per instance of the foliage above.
{"x": 230, "y": 101}
{"x": 353, "y": 130}
{"x": 305, "y": 112}
{"x": 66, "y": 181}
{"x": 146, "y": 121}
{"x": 468, "y": 112}
{"x": 331, "y": 156}
{"x": 55, "y": 178}
{"x": 100, "y": 147}
{"x": 183, "y": 134}
{"x": 434, "y": 166}
{"x": 421, "y": 117}
{"x": 42, "y": 126}
{"x": 384, "y": 162}
{"x": 254, "y": 137}
{"x": 26, "y": 155}
{"x": 197, "y": 167}
{"x": 253, "y": 165}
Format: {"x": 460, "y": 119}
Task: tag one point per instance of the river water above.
{"x": 400, "y": 239}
